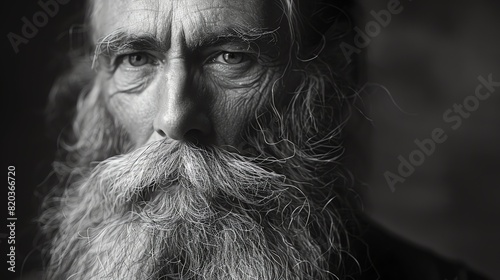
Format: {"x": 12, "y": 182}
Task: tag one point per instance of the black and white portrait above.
{"x": 251, "y": 139}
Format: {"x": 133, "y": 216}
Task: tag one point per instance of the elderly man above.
{"x": 206, "y": 145}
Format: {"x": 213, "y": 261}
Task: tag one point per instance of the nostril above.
{"x": 162, "y": 134}
{"x": 194, "y": 136}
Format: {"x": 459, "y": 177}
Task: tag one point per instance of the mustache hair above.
{"x": 180, "y": 211}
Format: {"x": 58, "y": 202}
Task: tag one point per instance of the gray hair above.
{"x": 298, "y": 132}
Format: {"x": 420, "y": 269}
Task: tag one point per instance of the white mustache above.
{"x": 180, "y": 167}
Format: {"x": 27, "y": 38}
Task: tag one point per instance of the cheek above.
{"x": 235, "y": 108}
{"x": 229, "y": 121}
{"x": 134, "y": 113}
{"x": 229, "y": 108}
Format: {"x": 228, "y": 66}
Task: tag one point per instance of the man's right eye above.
{"x": 137, "y": 59}
{"x": 133, "y": 71}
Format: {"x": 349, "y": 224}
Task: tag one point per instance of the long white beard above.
{"x": 175, "y": 211}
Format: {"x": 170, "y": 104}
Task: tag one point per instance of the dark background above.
{"x": 26, "y": 80}
{"x": 425, "y": 60}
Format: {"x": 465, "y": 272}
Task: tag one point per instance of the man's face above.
{"x": 186, "y": 69}
{"x": 187, "y": 80}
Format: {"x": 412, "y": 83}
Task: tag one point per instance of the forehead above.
{"x": 194, "y": 18}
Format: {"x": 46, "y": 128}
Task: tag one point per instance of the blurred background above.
{"x": 26, "y": 81}
{"x": 419, "y": 68}
{"x": 422, "y": 69}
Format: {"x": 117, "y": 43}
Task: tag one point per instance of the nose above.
{"x": 181, "y": 111}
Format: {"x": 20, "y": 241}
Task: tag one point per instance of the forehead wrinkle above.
{"x": 195, "y": 25}
{"x": 212, "y": 17}
{"x": 131, "y": 16}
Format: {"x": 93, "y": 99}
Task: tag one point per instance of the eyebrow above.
{"x": 119, "y": 41}
{"x": 238, "y": 34}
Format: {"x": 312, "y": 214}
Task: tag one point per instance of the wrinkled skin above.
{"x": 186, "y": 86}
{"x": 179, "y": 87}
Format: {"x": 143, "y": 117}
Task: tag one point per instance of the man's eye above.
{"x": 137, "y": 59}
{"x": 231, "y": 58}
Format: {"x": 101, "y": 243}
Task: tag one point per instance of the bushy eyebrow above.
{"x": 120, "y": 41}
{"x": 247, "y": 35}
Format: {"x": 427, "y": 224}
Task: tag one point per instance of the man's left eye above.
{"x": 231, "y": 57}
